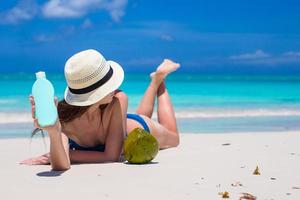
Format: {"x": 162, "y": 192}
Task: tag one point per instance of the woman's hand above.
{"x": 40, "y": 160}
{"x": 59, "y": 148}
{"x": 50, "y": 129}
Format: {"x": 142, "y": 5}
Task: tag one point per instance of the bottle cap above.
{"x": 40, "y": 74}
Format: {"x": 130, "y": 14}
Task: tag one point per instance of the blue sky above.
{"x": 209, "y": 37}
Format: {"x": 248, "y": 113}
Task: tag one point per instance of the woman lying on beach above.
{"x": 93, "y": 120}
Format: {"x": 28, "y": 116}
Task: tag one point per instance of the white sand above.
{"x": 199, "y": 169}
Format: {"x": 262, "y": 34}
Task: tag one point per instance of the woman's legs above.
{"x": 165, "y": 111}
{"x": 166, "y": 130}
{"x": 146, "y": 105}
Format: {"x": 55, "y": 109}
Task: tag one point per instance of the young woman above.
{"x": 93, "y": 120}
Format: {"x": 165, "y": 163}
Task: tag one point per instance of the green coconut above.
{"x": 140, "y": 147}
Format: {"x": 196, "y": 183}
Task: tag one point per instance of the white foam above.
{"x": 227, "y": 113}
{"x": 8, "y": 101}
{"x": 238, "y": 113}
{"x": 25, "y": 117}
{"x": 15, "y": 117}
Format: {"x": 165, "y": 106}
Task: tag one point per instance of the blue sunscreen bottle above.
{"x": 43, "y": 93}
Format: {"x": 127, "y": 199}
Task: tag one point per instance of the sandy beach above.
{"x": 200, "y": 168}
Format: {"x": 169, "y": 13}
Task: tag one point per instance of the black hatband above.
{"x": 95, "y": 85}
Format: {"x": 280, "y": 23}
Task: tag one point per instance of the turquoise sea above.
{"x": 203, "y": 104}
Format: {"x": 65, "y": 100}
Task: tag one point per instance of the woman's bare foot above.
{"x": 165, "y": 68}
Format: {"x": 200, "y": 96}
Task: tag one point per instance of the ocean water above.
{"x": 203, "y": 104}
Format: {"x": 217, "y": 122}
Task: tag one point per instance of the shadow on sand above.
{"x": 50, "y": 173}
{"x": 150, "y": 163}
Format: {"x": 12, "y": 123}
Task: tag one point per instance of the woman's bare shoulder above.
{"x": 122, "y": 96}
{"x": 115, "y": 101}
{"x": 112, "y": 108}
{"x": 123, "y": 101}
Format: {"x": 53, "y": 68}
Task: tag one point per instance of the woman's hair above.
{"x": 66, "y": 113}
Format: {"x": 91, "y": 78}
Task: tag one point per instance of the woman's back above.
{"x": 90, "y": 129}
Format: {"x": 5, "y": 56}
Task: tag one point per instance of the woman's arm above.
{"x": 39, "y": 160}
{"x": 59, "y": 147}
{"x": 123, "y": 99}
{"x": 59, "y": 150}
{"x": 113, "y": 143}
{"x": 45, "y": 158}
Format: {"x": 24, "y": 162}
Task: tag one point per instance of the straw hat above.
{"x": 90, "y": 78}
